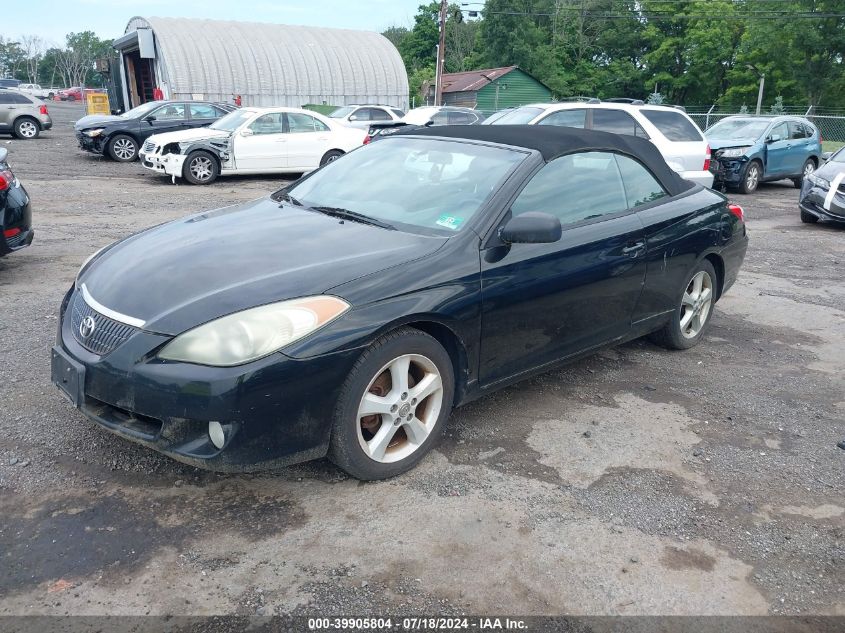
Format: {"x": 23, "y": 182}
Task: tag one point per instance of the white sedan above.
{"x": 250, "y": 141}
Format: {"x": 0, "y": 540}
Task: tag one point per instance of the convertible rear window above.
{"x": 673, "y": 125}
{"x": 432, "y": 184}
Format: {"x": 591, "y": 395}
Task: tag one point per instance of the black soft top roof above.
{"x": 553, "y": 141}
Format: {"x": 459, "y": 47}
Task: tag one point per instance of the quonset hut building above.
{"x": 266, "y": 64}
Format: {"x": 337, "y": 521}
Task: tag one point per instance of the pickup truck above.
{"x": 36, "y": 91}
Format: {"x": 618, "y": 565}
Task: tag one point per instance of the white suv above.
{"x": 362, "y": 116}
{"x": 678, "y": 138}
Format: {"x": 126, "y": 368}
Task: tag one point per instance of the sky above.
{"x": 53, "y": 19}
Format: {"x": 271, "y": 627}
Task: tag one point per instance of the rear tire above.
{"x": 200, "y": 168}
{"x": 751, "y": 177}
{"x": 122, "y": 148}
{"x": 331, "y": 155}
{"x": 27, "y": 128}
{"x": 406, "y": 382}
{"x": 694, "y": 308}
{"x": 808, "y": 218}
{"x": 808, "y": 168}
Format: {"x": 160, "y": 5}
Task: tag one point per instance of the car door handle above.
{"x": 633, "y": 249}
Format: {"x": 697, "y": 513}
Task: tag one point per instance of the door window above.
{"x": 575, "y": 188}
{"x": 170, "y": 112}
{"x": 640, "y": 186}
{"x": 439, "y": 118}
{"x": 304, "y": 123}
{"x": 376, "y": 114}
{"x": 268, "y": 124}
{"x": 781, "y": 130}
{"x": 203, "y": 111}
{"x": 566, "y": 118}
{"x": 797, "y": 130}
{"x": 617, "y": 122}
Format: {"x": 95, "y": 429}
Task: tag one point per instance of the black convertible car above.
{"x": 15, "y": 213}
{"x": 120, "y": 136}
{"x": 350, "y": 312}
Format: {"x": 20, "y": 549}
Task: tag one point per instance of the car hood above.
{"x": 720, "y": 143}
{"x": 830, "y": 170}
{"x": 184, "y": 273}
{"x": 186, "y": 136}
{"x": 93, "y": 120}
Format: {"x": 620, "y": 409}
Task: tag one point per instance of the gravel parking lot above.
{"x": 638, "y": 481}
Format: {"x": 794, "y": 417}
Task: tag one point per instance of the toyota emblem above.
{"x": 87, "y": 327}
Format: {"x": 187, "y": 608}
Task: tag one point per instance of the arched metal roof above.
{"x": 275, "y": 64}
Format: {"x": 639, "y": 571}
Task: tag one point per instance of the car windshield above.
{"x": 341, "y": 112}
{"x": 232, "y": 121}
{"x": 519, "y": 116}
{"x": 420, "y": 116}
{"x": 413, "y": 183}
{"x": 140, "y": 110}
{"x": 738, "y": 128}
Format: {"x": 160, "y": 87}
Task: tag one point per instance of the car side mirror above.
{"x": 531, "y": 228}
{"x": 247, "y": 132}
{"x": 149, "y": 119}
{"x": 353, "y": 117}
{"x": 774, "y": 138}
{"x": 825, "y": 156}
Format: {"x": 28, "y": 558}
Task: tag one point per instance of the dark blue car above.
{"x": 348, "y": 313}
{"x": 748, "y": 150}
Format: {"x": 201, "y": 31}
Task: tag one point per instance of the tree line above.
{"x": 33, "y": 60}
{"x": 690, "y": 52}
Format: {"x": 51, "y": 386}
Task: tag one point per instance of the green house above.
{"x": 493, "y": 89}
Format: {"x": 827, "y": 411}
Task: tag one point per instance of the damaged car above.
{"x": 823, "y": 192}
{"x": 748, "y": 150}
{"x": 251, "y": 141}
{"x": 120, "y": 136}
{"x": 15, "y": 213}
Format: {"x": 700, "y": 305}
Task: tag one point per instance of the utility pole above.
{"x": 441, "y": 54}
{"x": 760, "y": 93}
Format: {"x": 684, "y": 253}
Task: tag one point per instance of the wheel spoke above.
{"x": 688, "y": 300}
{"x": 416, "y": 431}
{"x": 696, "y": 323}
{"x": 378, "y": 445}
{"x": 425, "y": 387}
{"x": 706, "y": 295}
{"x": 399, "y": 374}
{"x": 371, "y": 404}
{"x": 697, "y": 283}
{"x": 686, "y": 318}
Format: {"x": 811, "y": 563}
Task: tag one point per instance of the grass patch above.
{"x": 831, "y": 146}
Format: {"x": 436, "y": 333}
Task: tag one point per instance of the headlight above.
{"x": 251, "y": 334}
{"x": 733, "y": 152}
{"x": 94, "y": 132}
{"x": 818, "y": 181}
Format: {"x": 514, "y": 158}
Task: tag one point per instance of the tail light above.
{"x": 43, "y": 109}
{"x": 707, "y": 157}
{"x": 367, "y": 139}
{"x": 737, "y": 211}
{"x": 821, "y": 138}
{"x": 11, "y": 232}
{"x": 6, "y": 180}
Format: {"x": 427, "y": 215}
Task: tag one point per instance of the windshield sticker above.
{"x": 450, "y": 222}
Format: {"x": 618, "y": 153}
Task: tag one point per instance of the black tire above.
{"x": 808, "y": 218}
{"x": 122, "y": 148}
{"x": 200, "y": 168}
{"x": 26, "y": 128}
{"x": 751, "y": 177}
{"x": 807, "y": 168}
{"x": 670, "y": 335}
{"x": 345, "y": 447}
{"x": 332, "y": 154}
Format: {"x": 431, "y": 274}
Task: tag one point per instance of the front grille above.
{"x": 149, "y": 147}
{"x": 107, "y": 335}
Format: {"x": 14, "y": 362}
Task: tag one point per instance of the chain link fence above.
{"x": 830, "y": 122}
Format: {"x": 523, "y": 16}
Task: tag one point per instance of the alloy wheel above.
{"x": 809, "y": 168}
{"x": 696, "y": 304}
{"x": 124, "y": 149}
{"x": 28, "y": 129}
{"x": 201, "y": 168}
{"x": 399, "y": 408}
{"x": 752, "y": 178}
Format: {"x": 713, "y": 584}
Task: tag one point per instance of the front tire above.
{"x": 122, "y": 148}
{"x": 807, "y": 170}
{"x": 393, "y": 406}
{"x": 808, "y": 218}
{"x": 751, "y": 177}
{"x": 26, "y": 129}
{"x": 693, "y": 312}
{"x": 200, "y": 168}
{"x": 330, "y": 156}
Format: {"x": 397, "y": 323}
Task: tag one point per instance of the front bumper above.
{"x": 728, "y": 171}
{"x": 90, "y": 144}
{"x": 275, "y": 411}
{"x": 165, "y": 165}
{"x": 814, "y": 200}
{"x": 704, "y": 178}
